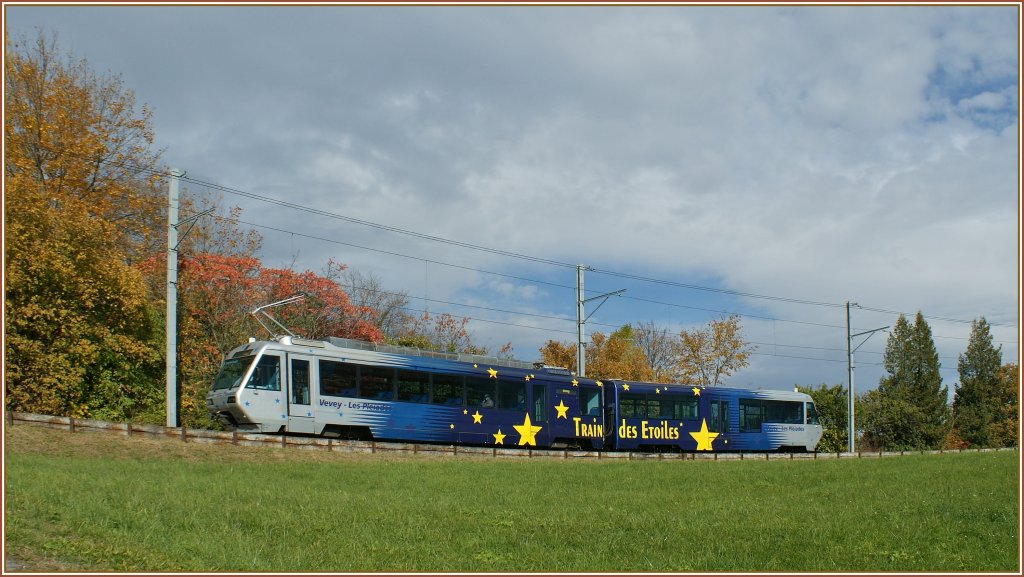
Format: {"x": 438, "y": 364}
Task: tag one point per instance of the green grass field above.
{"x": 98, "y": 502}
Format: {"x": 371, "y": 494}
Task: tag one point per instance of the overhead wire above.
{"x": 389, "y": 228}
{"x": 510, "y": 254}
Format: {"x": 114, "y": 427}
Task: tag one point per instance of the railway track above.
{"x": 187, "y": 435}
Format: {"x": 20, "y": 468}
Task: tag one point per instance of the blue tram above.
{"x": 352, "y": 389}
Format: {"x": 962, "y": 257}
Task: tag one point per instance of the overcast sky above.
{"x": 819, "y": 153}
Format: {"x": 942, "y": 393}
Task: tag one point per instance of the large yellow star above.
{"x": 476, "y": 417}
{"x": 696, "y": 392}
{"x": 527, "y": 432}
{"x": 561, "y": 408}
{"x": 703, "y": 437}
{"x": 575, "y": 383}
{"x": 492, "y": 373}
{"x": 499, "y": 438}
{"x": 625, "y": 386}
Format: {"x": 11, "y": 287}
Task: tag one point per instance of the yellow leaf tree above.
{"x": 614, "y": 356}
{"x": 706, "y": 356}
{"x": 80, "y": 205}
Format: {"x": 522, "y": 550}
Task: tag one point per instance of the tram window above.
{"x": 231, "y": 373}
{"x": 590, "y": 402}
{"x": 753, "y": 412}
{"x": 479, "y": 392}
{"x": 657, "y": 406}
{"x": 512, "y": 395}
{"x": 376, "y": 383}
{"x": 539, "y": 414}
{"x": 337, "y": 379}
{"x": 751, "y": 416}
{"x": 413, "y": 386}
{"x": 267, "y": 375}
{"x": 633, "y": 406}
{"x": 300, "y": 382}
{"x": 812, "y": 414}
{"x": 684, "y": 408}
{"x": 783, "y": 412}
{"x": 447, "y": 390}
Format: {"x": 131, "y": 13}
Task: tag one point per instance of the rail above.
{"x": 187, "y": 435}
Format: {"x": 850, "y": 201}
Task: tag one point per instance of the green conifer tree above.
{"x": 909, "y": 410}
{"x": 978, "y": 401}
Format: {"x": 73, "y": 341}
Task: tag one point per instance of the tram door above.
{"x": 563, "y": 405}
{"x": 719, "y": 422}
{"x": 300, "y": 393}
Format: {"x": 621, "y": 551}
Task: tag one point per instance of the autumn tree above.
{"x": 613, "y": 356}
{"x": 977, "y": 401}
{"x": 617, "y": 356}
{"x": 706, "y": 356}
{"x": 443, "y": 333}
{"x": 559, "y": 354}
{"x": 1005, "y": 431}
{"x": 658, "y": 346}
{"x": 383, "y": 308}
{"x": 216, "y": 295}
{"x": 80, "y": 207}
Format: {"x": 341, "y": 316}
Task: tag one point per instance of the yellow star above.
{"x": 696, "y": 392}
{"x": 575, "y": 383}
{"x": 599, "y": 383}
{"x": 492, "y": 373}
{"x": 465, "y": 412}
{"x": 499, "y": 438}
{"x": 704, "y": 437}
{"x": 474, "y": 365}
{"x": 657, "y": 391}
{"x": 527, "y": 432}
{"x": 527, "y": 377}
{"x": 477, "y": 416}
{"x": 451, "y": 426}
{"x": 625, "y": 387}
{"x": 561, "y": 408}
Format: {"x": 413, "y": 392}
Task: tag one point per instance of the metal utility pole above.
{"x": 850, "y": 349}
{"x": 581, "y": 320}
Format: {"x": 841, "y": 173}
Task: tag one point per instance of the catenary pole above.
{"x": 849, "y": 371}
{"x": 581, "y": 358}
{"x": 172, "y": 299}
{"x": 850, "y": 368}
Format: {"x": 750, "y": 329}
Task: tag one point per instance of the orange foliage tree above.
{"x": 216, "y": 293}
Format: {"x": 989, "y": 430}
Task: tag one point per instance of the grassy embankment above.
{"x": 96, "y": 502}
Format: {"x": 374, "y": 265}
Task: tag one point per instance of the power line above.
{"x": 716, "y": 290}
{"x": 531, "y": 280}
{"x": 947, "y": 319}
{"x": 320, "y": 212}
{"x": 388, "y": 228}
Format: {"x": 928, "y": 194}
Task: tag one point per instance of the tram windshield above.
{"x": 231, "y": 373}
